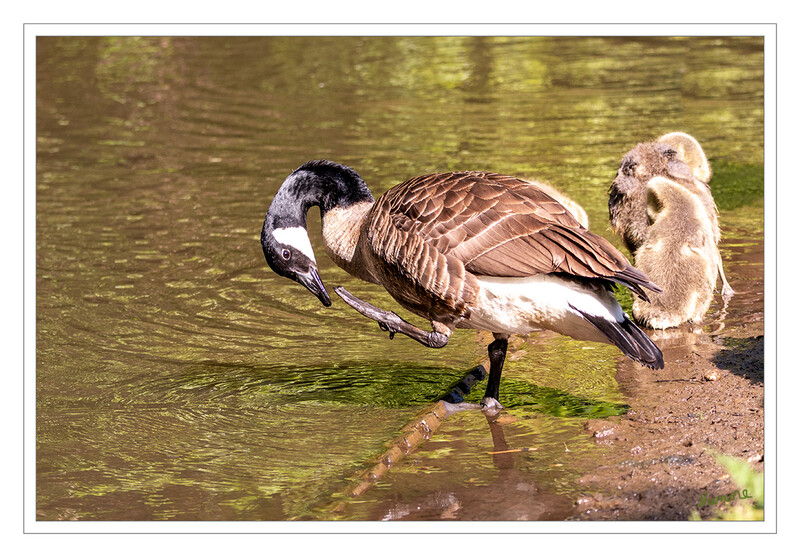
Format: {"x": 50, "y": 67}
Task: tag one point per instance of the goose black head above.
{"x": 284, "y": 237}
{"x": 288, "y": 252}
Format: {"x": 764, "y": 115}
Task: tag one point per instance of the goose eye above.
{"x": 286, "y": 254}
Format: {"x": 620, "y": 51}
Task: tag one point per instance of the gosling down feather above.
{"x": 680, "y": 253}
{"x": 671, "y": 172}
{"x": 473, "y": 250}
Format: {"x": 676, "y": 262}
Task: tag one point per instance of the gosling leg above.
{"x": 393, "y": 323}
{"x": 727, "y": 291}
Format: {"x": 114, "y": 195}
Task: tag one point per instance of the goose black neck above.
{"x": 320, "y": 183}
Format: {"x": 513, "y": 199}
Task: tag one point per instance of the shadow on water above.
{"x": 386, "y": 384}
{"x": 553, "y": 402}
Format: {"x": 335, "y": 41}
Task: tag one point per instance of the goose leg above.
{"x": 393, "y": 323}
{"x": 497, "y": 356}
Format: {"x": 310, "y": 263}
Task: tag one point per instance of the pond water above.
{"x": 179, "y": 378}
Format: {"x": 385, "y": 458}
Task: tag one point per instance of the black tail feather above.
{"x": 629, "y": 338}
{"x": 635, "y": 279}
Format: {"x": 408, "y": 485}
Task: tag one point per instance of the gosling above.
{"x": 675, "y": 156}
{"x": 680, "y": 254}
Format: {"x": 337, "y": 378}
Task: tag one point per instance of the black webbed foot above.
{"x": 491, "y": 406}
{"x": 390, "y": 322}
{"x": 385, "y": 327}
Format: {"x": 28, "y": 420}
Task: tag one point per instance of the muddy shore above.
{"x": 661, "y": 464}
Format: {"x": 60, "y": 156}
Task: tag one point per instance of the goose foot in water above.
{"x": 491, "y": 405}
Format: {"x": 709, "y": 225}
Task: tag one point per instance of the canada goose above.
{"x": 680, "y": 253}
{"x": 676, "y": 156}
{"x": 462, "y": 249}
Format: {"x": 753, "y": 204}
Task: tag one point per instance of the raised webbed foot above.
{"x": 393, "y": 323}
{"x": 390, "y": 322}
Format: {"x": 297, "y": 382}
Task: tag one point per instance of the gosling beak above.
{"x": 314, "y": 284}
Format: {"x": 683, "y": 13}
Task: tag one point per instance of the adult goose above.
{"x": 473, "y": 250}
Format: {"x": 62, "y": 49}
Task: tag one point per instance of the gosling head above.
{"x": 689, "y": 151}
{"x": 647, "y": 160}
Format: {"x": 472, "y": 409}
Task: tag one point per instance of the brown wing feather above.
{"x": 498, "y": 225}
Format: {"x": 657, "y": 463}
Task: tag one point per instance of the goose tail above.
{"x": 629, "y": 338}
{"x": 637, "y": 281}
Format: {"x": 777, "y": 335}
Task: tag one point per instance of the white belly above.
{"x": 522, "y": 305}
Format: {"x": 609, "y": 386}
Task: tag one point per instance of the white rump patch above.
{"x": 521, "y": 305}
{"x": 297, "y": 238}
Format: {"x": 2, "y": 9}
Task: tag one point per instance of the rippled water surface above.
{"x": 178, "y": 378}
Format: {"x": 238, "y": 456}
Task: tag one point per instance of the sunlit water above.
{"x": 178, "y": 378}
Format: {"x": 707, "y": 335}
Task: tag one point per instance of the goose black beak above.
{"x": 314, "y": 284}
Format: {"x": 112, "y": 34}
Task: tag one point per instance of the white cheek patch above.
{"x": 297, "y": 238}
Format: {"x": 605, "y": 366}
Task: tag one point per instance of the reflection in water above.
{"x": 178, "y": 379}
{"x": 514, "y": 470}
{"x": 527, "y": 505}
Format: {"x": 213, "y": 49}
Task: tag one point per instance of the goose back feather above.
{"x": 440, "y": 231}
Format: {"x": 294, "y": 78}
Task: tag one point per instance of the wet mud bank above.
{"x": 661, "y": 464}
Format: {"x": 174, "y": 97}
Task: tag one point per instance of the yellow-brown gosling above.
{"x": 690, "y": 152}
{"x": 680, "y": 254}
{"x": 676, "y": 156}
{"x": 473, "y": 250}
